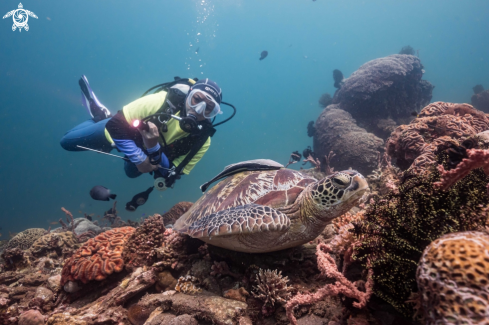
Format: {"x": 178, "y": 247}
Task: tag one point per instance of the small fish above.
{"x": 139, "y": 199}
{"x": 80, "y": 211}
{"x": 54, "y": 222}
{"x": 263, "y": 55}
{"x": 0, "y": 235}
{"x": 414, "y": 113}
{"x": 48, "y": 18}
{"x": 338, "y": 78}
{"x": 101, "y": 193}
{"x": 197, "y": 50}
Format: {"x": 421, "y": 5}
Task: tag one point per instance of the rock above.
{"x": 484, "y": 136}
{"x": 54, "y": 283}
{"x": 63, "y": 319}
{"x": 214, "y": 308}
{"x": 481, "y": 101}
{"x": 166, "y": 281}
{"x": 183, "y": 320}
{"x": 31, "y": 317}
{"x": 44, "y": 294}
{"x": 84, "y": 225}
{"x": 354, "y": 147}
{"x": 311, "y": 320}
{"x": 389, "y": 87}
{"x": 237, "y": 294}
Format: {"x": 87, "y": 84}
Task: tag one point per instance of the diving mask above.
{"x": 203, "y": 103}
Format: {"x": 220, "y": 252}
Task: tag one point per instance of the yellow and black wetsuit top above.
{"x": 120, "y": 128}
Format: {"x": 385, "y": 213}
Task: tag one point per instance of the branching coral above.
{"x": 140, "y": 248}
{"x": 475, "y": 159}
{"x": 271, "y": 288}
{"x": 453, "y": 279}
{"x": 398, "y": 226}
{"x": 327, "y": 266}
{"x": 98, "y": 257}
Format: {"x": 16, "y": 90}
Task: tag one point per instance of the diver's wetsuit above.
{"x": 118, "y": 132}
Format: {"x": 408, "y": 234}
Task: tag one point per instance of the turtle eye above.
{"x": 340, "y": 182}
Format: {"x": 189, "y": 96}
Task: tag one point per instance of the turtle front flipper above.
{"x": 243, "y": 219}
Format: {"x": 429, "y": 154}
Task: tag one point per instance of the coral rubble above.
{"x": 98, "y": 257}
{"x": 453, "y": 279}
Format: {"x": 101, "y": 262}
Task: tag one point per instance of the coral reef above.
{"x": 353, "y": 146}
{"x": 389, "y": 87}
{"x": 480, "y": 99}
{"x": 453, "y": 279}
{"x": 26, "y": 238}
{"x": 98, "y": 257}
{"x": 325, "y": 100}
{"x": 398, "y": 226}
{"x": 311, "y": 130}
{"x": 140, "y": 247}
{"x": 438, "y": 126}
{"x": 407, "y": 50}
{"x": 271, "y": 287}
{"x": 176, "y": 212}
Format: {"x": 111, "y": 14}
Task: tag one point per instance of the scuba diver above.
{"x": 165, "y": 133}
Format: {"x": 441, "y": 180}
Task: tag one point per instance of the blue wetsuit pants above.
{"x": 91, "y": 134}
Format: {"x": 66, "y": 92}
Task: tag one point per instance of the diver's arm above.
{"x": 124, "y": 137}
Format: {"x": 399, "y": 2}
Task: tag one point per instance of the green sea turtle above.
{"x": 258, "y": 211}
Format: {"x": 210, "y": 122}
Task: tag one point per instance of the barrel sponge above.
{"x": 453, "y": 279}
{"x": 98, "y": 257}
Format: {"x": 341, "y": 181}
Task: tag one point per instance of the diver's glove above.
{"x": 170, "y": 180}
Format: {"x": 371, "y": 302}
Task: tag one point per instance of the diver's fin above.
{"x": 95, "y": 108}
{"x": 113, "y": 196}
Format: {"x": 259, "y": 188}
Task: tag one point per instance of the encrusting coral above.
{"x": 98, "y": 257}
{"x": 398, "y": 226}
{"x": 140, "y": 247}
{"x": 453, "y": 279}
{"x": 26, "y": 238}
{"x": 176, "y": 212}
{"x": 186, "y": 284}
{"x": 54, "y": 243}
{"x": 438, "y": 126}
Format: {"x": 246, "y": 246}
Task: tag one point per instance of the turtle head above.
{"x": 336, "y": 194}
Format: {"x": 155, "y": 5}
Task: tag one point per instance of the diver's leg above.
{"x": 88, "y": 134}
{"x": 131, "y": 169}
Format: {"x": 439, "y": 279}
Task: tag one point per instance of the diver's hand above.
{"x": 146, "y": 167}
{"x": 150, "y": 137}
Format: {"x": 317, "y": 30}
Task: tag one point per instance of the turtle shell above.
{"x": 273, "y": 188}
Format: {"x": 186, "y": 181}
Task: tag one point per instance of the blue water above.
{"x": 126, "y": 47}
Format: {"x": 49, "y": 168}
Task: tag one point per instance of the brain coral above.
{"x": 438, "y": 126}
{"x": 26, "y": 238}
{"x": 453, "y": 279}
{"x": 139, "y": 249}
{"x": 98, "y": 257}
{"x": 54, "y": 242}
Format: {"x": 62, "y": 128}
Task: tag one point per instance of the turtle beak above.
{"x": 358, "y": 183}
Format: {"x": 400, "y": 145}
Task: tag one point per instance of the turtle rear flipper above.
{"x": 243, "y": 219}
